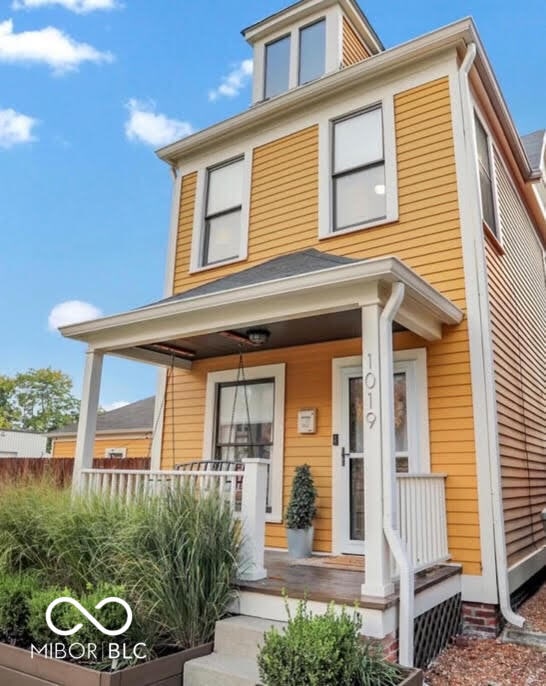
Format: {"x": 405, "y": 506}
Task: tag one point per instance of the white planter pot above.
{"x": 300, "y": 542}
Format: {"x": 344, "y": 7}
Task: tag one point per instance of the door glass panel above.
{"x": 400, "y": 413}
{"x": 356, "y": 425}
{"x": 356, "y": 466}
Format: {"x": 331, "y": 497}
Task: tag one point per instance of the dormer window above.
{"x": 277, "y": 67}
{"x": 312, "y": 52}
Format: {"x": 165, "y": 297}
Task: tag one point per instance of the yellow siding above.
{"x": 518, "y": 320}
{"x": 283, "y": 219}
{"x": 136, "y": 446}
{"x": 354, "y": 49}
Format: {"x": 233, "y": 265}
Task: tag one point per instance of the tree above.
{"x": 37, "y": 400}
{"x": 7, "y": 412}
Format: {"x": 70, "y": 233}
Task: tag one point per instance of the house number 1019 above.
{"x": 370, "y": 381}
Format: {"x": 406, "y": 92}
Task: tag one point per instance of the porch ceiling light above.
{"x": 258, "y": 336}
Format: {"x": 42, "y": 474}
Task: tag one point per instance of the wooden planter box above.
{"x": 18, "y": 668}
{"x": 414, "y": 678}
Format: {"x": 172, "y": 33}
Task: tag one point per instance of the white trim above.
{"x": 199, "y": 209}
{"x": 334, "y": 289}
{"x": 478, "y": 589}
{"x": 418, "y": 435}
{"x": 121, "y": 433}
{"x": 438, "y": 593}
{"x": 173, "y": 235}
{"x": 326, "y": 126}
{"x": 523, "y": 570}
{"x": 278, "y": 373}
{"x": 483, "y": 399}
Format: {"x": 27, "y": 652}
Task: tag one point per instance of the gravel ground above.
{"x": 534, "y": 610}
{"x": 487, "y": 662}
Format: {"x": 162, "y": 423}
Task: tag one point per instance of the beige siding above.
{"x": 354, "y": 49}
{"x": 518, "y": 319}
{"x": 136, "y": 446}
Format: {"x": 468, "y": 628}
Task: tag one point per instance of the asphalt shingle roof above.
{"x": 303, "y": 262}
{"x": 138, "y": 415}
{"x": 534, "y": 144}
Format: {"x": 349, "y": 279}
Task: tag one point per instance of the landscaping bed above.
{"x": 80, "y": 575}
{"x": 487, "y": 662}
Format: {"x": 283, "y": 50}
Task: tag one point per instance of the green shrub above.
{"x": 301, "y": 509}
{"x": 323, "y": 650}
{"x": 320, "y": 650}
{"x": 64, "y": 616}
{"x": 15, "y": 595}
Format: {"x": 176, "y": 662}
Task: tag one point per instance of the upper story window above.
{"x": 485, "y": 169}
{"x": 312, "y": 52}
{"x": 223, "y": 213}
{"x": 277, "y": 67}
{"x": 358, "y": 173}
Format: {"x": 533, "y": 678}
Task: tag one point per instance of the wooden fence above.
{"x": 59, "y": 469}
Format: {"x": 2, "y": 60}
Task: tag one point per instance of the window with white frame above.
{"x": 223, "y": 213}
{"x": 358, "y": 170}
{"x": 485, "y": 170}
{"x": 234, "y": 432}
{"x": 115, "y": 453}
{"x": 277, "y": 67}
{"x": 312, "y": 52}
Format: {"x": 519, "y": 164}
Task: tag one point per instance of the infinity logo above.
{"x": 88, "y": 616}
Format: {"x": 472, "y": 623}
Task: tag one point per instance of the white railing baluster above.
{"x": 422, "y": 519}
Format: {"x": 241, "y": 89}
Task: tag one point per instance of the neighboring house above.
{"x": 124, "y": 432}
{"x": 376, "y": 222}
{"x": 14, "y": 443}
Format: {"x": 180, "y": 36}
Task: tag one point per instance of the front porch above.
{"x": 301, "y": 301}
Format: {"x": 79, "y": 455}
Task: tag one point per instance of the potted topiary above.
{"x": 300, "y": 513}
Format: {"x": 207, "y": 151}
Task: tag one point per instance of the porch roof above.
{"x": 320, "y": 294}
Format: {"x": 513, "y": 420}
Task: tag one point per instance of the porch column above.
{"x": 378, "y": 573}
{"x": 253, "y": 519}
{"x": 87, "y": 424}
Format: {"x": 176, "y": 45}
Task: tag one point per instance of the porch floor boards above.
{"x": 327, "y": 584}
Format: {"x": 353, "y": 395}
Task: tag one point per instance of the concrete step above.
{"x": 241, "y": 636}
{"x": 221, "y": 670}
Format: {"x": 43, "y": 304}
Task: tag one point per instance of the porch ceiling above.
{"x": 321, "y": 304}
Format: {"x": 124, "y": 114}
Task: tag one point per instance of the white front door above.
{"x": 411, "y": 441}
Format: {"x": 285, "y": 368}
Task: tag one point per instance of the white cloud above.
{"x": 232, "y": 84}
{"x": 46, "y": 46}
{"x": 72, "y": 312}
{"x": 148, "y": 126}
{"x": 115, "y": 405}
{"x": 15, "y": 128}
{"x": 78, "y": 6}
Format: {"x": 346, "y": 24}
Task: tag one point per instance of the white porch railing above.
{"x": 243, "y": 488}
{"x": 422, "y": 519}
{"x": 129, "y": 484}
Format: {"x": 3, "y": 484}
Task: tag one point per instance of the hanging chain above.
{"x": 240, "y": 381}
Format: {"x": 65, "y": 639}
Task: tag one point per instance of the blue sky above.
{"x": 88, "y": 91}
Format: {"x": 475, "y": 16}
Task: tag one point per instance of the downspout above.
{"x": 390, "y": 496}
{"x": 501, "y": 565}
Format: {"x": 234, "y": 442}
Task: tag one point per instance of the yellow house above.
{"x": 368, "y": 237}
{"x": 123, "y": 432}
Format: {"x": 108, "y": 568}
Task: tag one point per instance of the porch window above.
{"x": 231, "y": 436}
{"x": 277, "y": 67}
{"x": 312, "y": 56}
{"x": 485, "y": 169}
{"x": 223, "y": 212}
{"x": 358, "y": 174}
{"x": 115, "y": 453}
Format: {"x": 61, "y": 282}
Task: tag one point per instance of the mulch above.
{"x": 534, "y": 610}
{"x": 487, "y": 662}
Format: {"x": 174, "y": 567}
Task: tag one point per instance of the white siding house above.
{"x": 22, "y": 444}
